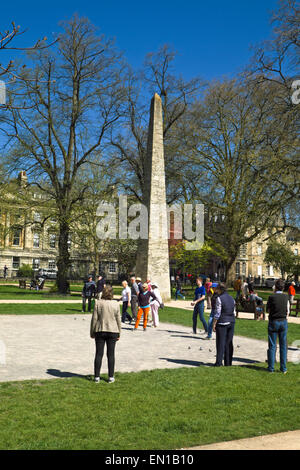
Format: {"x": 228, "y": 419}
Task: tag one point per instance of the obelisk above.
{"x": 153, "y": 252}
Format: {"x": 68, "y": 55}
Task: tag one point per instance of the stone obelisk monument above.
{"x": 153, "y": 252}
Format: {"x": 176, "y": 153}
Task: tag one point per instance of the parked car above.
{"x": 47, "y": 273}
{"x": 270, "y": 281}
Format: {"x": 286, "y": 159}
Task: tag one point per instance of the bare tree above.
{"x": 74, "y": 94}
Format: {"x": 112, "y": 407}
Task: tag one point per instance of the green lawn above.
{"x": 159, "y": 409}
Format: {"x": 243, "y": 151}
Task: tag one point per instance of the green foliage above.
{"x": 282, "y": 257}
{"x": 25, "y": 271}
{"x": 193, "y": 260}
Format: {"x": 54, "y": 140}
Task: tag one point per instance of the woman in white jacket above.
{"x": 155, "y": 304}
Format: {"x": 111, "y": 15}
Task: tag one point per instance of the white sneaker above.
{"x": 111, "y": 380}
{"x": 97, "y": 380}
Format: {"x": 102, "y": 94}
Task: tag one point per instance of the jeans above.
{"x": 277, "y": 328}
{"x": 125, "y": 314}
{"x": 210, "y": 325}
{"x": 199, "y": 310}
{"x": 224, "y": 343}
{"x": 84, "y": 299}
{"x": 110, "y": 339}
{"x": 177, "y": 293}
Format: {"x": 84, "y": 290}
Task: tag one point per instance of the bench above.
{"x": 22, "y": 284}
{"x": 295, "y": 308}
{"x": 250, "y": 306}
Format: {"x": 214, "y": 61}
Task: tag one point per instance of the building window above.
{"x": 259, "y": 249}
{"x": 17, "y": 237}
{"x": 35, "y": 264}
{"x": 52, "y": 240}
{"x": 16, "y": 262}
{"x": 259, "y": 270}
{"x": 36, "y": 240}
{"x": 244, "y": 268}
{"x": 237, "y": 269}
{"x": 52, "y": 264}
{"x": 243, "y": 251}
{"x": 37, "y": 217}
{"x": 112, "y": 267}
{"x": 296, "y": 251}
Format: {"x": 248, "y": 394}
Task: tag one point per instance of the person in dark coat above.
{"x": 223, "y": 325}
{"x": 88, "y": 293}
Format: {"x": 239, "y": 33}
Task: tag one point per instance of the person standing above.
{"x": 88, "y": 293}
{"x": 178, "y": 288}
{"x": 291, "y": 293}
{"x": 144, "y": 306}
{"x": 223, "y": 325}
{"x": 278, "y": 309}
{"x": 100, "y": 286}
{"x": 237, "y": 285}
{"x": 134, "y": 297}
{"x": 105, "y": 329}
{"x": 5, "y": 269}
{"x": 126, "y": 294}
{"x": 213, "y": 308}
{"x": 198, "y": 305}
{"x": 155, "y": 304}
{"x": 208, "y": 291}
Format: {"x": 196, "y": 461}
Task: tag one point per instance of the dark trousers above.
{"x": 125, "y": 314}
{"x": 84, "y": 299}
{"x": 110, "y": 339}
{"x": 224, "y": 344}
{"x": 134, "y": 307}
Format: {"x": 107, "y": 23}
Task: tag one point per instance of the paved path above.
{"x": 47, "y": 346}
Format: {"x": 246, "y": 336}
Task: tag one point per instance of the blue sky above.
{"x": 213, "y": 38}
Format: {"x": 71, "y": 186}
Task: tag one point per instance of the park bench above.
{"x": 22, "y": 284}
{"x": 250, "y": 306}
{"x": 295, "y": 308}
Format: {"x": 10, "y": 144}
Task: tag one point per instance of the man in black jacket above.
{"x": 278, "y": 309}
{"x": 88, "y": 292}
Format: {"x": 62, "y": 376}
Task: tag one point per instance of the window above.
{"x": 243, "y": 251}
{"x": 17, "y": 237}
{"x": 35, "y": 264}
{"x": 36, "y": 240}
{"x": 244, "y": 268}
{"x": 259, "y": 270}
{"x": 16, "y": 262}
{"x": 52, "y": 264}
{"x": 237, "y": 269}
{"x": 112, "y": 267}
{"x": 37, "y": 217}
{"x": 52, "y": 240}
{"x": 296, "y": 251}
{"x": 259, "y": 249}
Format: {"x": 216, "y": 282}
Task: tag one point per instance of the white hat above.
{"x": 154, "y": 284}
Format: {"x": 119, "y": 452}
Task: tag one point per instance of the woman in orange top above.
{"x": 291, "y": 293}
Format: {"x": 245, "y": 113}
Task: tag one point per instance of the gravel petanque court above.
{"x": 51, "y": 346}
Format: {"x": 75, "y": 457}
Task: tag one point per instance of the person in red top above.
{"x": 209, "y": 294}
{"x": 291, "y": 293}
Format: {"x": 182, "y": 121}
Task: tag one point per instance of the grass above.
{"x": 159, "y": 409}
{"x": 11, "y": 292}
{"x": 264, "y": 294}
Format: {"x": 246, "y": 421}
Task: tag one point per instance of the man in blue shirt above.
{"x": 199, "y": 305}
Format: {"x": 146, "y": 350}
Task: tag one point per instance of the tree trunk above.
{"x": 63, "y": 262}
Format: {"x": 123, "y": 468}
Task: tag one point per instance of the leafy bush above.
{"x": 25, "y": 271}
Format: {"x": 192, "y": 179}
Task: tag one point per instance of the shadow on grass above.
{"x": 259, "y": 369}
{"x": 186, "y": 362}
{"x": 247, "y": 361}
{"x": 61, "y": 374}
